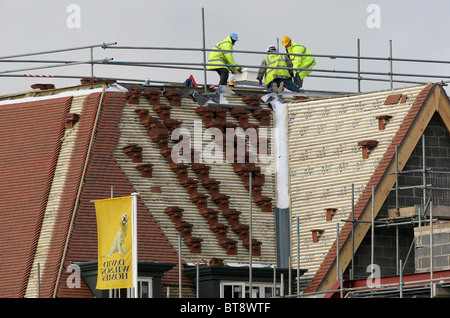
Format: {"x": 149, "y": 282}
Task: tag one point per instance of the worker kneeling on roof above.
{"x": 275, "y": 67}
{"x": 221, "y": 59}
{"x": 305, "y": 63}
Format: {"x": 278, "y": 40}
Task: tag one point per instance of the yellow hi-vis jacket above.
{"x": 279, "y": 61}
{"x": 306, "y": 62}
{"x": 218, "y": 56}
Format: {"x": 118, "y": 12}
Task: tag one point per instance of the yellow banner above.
{"x": 114, "y": 227}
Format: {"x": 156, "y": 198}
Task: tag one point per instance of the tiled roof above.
{"x": 208, "y": 200}
{"x": 69, "y": 194}
{"x": 30, "y": 140}
{"x": 325, "y": 143}
{"x": 103, "y": 172}
{"x": 62, "y": 153}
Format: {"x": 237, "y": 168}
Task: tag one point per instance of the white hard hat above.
{"x": 271, "y": 48}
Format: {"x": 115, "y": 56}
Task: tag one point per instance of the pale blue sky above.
{"x": 417, "y": 30}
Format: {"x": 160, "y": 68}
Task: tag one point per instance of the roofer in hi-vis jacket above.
{"x": 301, "y": 62}
{"x": 222, "y": 57}
{"x": 275, "y": 68}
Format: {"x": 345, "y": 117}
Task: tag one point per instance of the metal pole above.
{"x": 204, "y": 64}
{"x": 290, "y": 277}
{"x": 135, "y": 243}
{"x": 92, "y": 64}
{"x": 331, "y": 56}
{"x": 204, "y": 51}
{"x": 396, "y": 249}
{"x": 359, "y": 67}
{"x": 337, "y": 251}
{"x": 197, "y": 280}
{"x": 396, "y": 178}
{"x": 420, "y": 216}
{"x": 409, "y": 252}
{"x": 298, "y": 256}
{"x": 179, "y": 268}
{"x": 382, "y": 286}
{"x": 431, "y": 250}
{"x": 401, "y": 280}
{"x": 53, "y": 66}
{"x": 79, "y": 77}
{"x": 390, "y": 62}
{"x": 250, "y": 237}
{"x": 152, "y": 64}
{"x": 353, "y": 230}
{"x": 372, "y": 247}
{"x": 424, "y": 172}
{"x": 104, "y": 45}
{"x": 396, "y": 207}
{"x": 39, "y": 279}
{"x": 164, "y": 65}
{"x": 274, "y": 280}
{"x": 112, "y": 196}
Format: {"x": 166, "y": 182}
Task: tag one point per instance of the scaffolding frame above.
{"x": 357, "y": 75}
{"x": 388, "y": 222}
{"x": 202, "y": 66}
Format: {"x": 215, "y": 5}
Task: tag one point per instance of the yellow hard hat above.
{"x": 285, "y": 40}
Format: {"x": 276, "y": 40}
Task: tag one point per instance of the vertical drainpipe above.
{"x": 281, "y": 155}
{"x": 282, "y": 210}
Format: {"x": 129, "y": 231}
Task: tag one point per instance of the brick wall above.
{"x": 437, "y": 154}
{"x": 441, "y": 247}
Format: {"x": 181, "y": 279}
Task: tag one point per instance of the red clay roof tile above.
{"x": 30, "y": 139}
{"x": 102, "y": 173}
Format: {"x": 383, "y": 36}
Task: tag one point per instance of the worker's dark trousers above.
{"x": 288, "y": 84}
{"x": 298, "y": 81}
{"x": 223, "y": 73}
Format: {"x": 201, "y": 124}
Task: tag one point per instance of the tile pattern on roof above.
{"x": 57, "y": 187}
{"x": 103, "y": 172}
{"x": 404, "y": 135}
{"x": 327, "y": 161}
{"x": 228, "y": 184}
{"x": 30, "y": 141}
{"x": 69, "y": 197}
{"x": 209, "y": 201}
